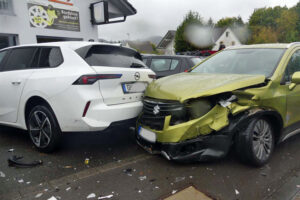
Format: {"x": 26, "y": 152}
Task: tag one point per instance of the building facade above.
{"x": 35, "y": 21}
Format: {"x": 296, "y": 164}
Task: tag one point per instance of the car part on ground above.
{"x": 15, "y": 161}
{"x": 199, "y": 115}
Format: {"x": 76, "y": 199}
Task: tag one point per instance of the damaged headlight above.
{"x": 226, "y": 100}
{"x": 198, "y": 108}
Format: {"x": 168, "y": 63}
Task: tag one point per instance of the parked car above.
{"x": 168, "y": 65}
{"x": 52, "y": 88}
{"x": 243, "y": 97}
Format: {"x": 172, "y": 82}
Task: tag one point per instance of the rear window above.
{"x": 50, "y": 57}
{"x": 111, "y": 56}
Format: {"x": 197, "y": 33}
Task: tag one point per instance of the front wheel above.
{"x": 255, "y": 144}
{"x": 43, "y": 129}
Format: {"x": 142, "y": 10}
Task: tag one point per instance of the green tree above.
{"x": 230, "y": 21}
{"x": 287, "y": 26}
{"x": 181, "y": 43}
{"x": 210, "y": 22}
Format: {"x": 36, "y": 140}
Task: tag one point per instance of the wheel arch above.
{"x": 34, "y": 101}
{"x": 271, "y": 115}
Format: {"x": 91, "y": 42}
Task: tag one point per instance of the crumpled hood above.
{"x": 193, "y": 85}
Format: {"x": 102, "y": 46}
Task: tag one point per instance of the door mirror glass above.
{"x": 296, "y": 78}
{"x": 99, "y": 13}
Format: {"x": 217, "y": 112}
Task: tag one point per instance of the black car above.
{"x": 168, "y": 65}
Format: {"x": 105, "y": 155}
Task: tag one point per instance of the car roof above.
{"x": 69, "y": 44}
{"x": 271, "y": 46}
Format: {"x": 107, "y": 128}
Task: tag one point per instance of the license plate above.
{"x": 138, "y": 87}
{"x": 147, "y": 135}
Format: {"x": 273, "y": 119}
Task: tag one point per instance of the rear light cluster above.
{"x": 91, "y": 79}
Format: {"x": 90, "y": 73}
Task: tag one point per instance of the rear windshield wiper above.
{"x": 137, "y": 65}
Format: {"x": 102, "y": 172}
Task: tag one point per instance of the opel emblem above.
{"x": 156, "y": 109}
{"x": 137, "y": 76}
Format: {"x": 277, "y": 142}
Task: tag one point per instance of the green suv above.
{"x": 246, "y": 97}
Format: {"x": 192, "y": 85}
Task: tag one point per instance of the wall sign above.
{"x": 50, "y": 16}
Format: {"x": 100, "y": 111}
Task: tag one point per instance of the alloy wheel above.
{"x": 262, "y": 140}
{"x": 40, "y": 129}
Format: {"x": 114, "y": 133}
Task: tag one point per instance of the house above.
{"x": 35, "y": 21}
{"x": 166, "y": 45}
{"x": 145, "y": 47}
{"x": 226, "y": 36}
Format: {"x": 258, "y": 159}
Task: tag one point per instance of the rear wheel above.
{"x": 43, "y": 129}
{"x": 255, "y": 144}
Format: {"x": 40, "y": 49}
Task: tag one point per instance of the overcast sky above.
{"x": 156, "y": 17}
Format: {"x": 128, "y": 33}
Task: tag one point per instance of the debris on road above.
{"x": 2, "y": 175}
{"x": 178, "y": 179}
{"x": 14, "y": 161}
{"x": 90, "y": 196}
{"x": 67, "y": 167}
{"x": 237, "y": 192}
{"x": 38, "y": 195}
{"x": 142, "y": 178}
{"x": 52, "y": 198}
{"x": 11, "y": 150}
{"x": 129, "y": 171}
{"x": 21, "y": 181}
{"x": 174, "y": 191}
{"x": 87, "y": 161}
{"x": 106, "y": 197}
{"x": 69, "y": 188}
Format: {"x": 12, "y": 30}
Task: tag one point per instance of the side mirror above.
{"x": 296, "y": 78}
{"x": 99, "y": 13}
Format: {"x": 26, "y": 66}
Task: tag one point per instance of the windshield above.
{"x": 242, "y": 61}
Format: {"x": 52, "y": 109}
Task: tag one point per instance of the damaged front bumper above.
{"x": 202, "y": 148}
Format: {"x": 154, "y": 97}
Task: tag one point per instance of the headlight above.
{"x": 199, "y": 108}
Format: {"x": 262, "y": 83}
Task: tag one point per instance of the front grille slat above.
{"x": 156, "y": 121}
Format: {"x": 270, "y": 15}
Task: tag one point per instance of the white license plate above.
{"x": 147, "y": 135}
{"x": 138, "y": 87}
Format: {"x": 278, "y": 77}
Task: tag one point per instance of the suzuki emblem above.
{"x": 156, "y": 109}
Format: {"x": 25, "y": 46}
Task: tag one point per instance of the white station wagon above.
{"x": 53, "y": 88}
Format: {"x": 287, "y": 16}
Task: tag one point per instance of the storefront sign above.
{"x": 66, "y": 2}
{"x": 49, "y": 16}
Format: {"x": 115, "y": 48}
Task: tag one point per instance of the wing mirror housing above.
{"x": 295, "y": 80}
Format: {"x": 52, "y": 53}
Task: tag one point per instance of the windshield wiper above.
{"x": 137, "y": 65}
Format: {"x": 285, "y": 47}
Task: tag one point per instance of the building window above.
{"x": 227, "y": 34}
{"x": 6, "y": 7}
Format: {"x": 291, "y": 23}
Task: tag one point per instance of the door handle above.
{"x": 16, "y": 82}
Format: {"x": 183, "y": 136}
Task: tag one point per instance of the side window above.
{"x": 19, "y": 58}
{"x": 2, "y": 55}
{"x": 174, "y": 64}
{"x": 293, "y": 66}
{"x": 50, "y": 57}
{"x": 160, "y": 65}
{"x": 145, "y": 60}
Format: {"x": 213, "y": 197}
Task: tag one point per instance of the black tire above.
{"x": 43, "y": 129}
{"x": 255, "y": 144}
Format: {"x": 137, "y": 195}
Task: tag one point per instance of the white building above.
{"x": 35, "y": 21}
{"x": 228, "y": 38}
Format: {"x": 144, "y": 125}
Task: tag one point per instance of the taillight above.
{"x": 91, "y": 79}
{"x": 86, "y": 108}
{"x": 153, "y": 76}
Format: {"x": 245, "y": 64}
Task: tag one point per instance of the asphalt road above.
{"x": 150, "y": 177}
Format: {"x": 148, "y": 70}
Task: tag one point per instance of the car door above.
{"x": 293, "y": 96}
{"x": 163, "y": 66}
{"x": 13, "y": 75}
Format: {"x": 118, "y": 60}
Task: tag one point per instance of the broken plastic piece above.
{"x": 14, "y": 161}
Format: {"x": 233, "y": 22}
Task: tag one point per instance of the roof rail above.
{"x": 293, "y": 43}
